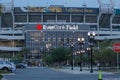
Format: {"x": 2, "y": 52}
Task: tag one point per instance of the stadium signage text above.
{"x": 60, "y": 27}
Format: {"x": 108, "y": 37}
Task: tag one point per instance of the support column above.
{"x": 41, "y": 17}
{"x": 27, "y": 18}
{"x": 111, "y": 19}
{"x": 56, "y": 18}
{"x": 98, "y": 26}
{"x": 70, "y": 17}
{"x": 0, "y": 21}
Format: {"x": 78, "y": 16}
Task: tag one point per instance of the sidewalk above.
{"x": 76, "y": 70}
{"x": 3, "y": 79}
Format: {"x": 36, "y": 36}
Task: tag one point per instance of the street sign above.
{"x": 116, "y": 47}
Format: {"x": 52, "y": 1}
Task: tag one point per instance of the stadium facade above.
{"x": 41, "y": 28}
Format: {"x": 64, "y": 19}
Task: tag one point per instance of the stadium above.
{"x": 40, "y": 29}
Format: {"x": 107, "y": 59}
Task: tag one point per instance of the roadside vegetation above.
{"x": 57, "y": 57}
{"x": 104, "y": 55}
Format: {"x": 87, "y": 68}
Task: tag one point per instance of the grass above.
{"x": 4, "y": 72}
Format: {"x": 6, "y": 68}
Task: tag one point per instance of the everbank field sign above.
{"x": 60, "y": 27}
{"x": 56, "y": 27}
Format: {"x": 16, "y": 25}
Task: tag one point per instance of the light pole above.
{"x": 71, "y": 47}
{"x": 91, "y": 38}
{"x": 41, "y": 49}
{"x": 88, "y": 53}
{"x": 48, "y": 47}
{"x": 81, "y": 42}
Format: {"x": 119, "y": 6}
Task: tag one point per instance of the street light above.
{"x": 71, "y": 47}
{"x": 48, "y": 47}
{"x": 81, "y": 42}
{"x": 41, "y": 50}
{"x": 91, "y": 37}
{"x": 88, "y": 53}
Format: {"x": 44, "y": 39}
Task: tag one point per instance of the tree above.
{"x": 105, "y": 55}
{"x": 60, "y": 54}
{"x": 24, "y": 52}
{"x": 47, "y": 58}
{"x": 21, "y": 55}
{"x": 57, "y": 56}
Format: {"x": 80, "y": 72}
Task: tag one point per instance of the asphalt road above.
{"x": 49, "y": 74}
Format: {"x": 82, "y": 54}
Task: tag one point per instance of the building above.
{"x": 41, "y": 28}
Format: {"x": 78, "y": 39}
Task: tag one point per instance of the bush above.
{"x": 1, "y": 76}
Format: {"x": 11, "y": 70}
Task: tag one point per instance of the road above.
{"x": 50, "y": 74}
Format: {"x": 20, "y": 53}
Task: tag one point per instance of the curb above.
{"x": 80, "y": 72}
{"x": 3, "y": 79}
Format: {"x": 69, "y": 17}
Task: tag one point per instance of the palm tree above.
{"x": 24, "y": 52}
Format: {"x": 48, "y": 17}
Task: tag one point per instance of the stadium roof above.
{"x": 66, "y": 3}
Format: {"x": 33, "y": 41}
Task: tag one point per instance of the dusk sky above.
{"x": 66, "y": 3}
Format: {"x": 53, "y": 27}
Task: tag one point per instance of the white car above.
{"x": 8, "y": 66}
{"x": 13, "y": 66}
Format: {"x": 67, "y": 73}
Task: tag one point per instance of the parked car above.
{"x": 7, "y": 66}
{"x": 21, "y": 65}
{"x": 13, "y": 66}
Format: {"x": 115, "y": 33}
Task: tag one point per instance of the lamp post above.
{"x": 48, "y": 47}
{"x": 91, "y": 37}
{"x": 81, "y": 42}
{"x": 71, "y": 47}
{"x": 88, "y": 53}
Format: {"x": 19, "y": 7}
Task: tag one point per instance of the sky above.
{"x": 66, "y": 3}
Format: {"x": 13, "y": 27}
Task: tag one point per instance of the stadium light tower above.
{"x": 112, "y": 3}
{"x": 99, "y": 2}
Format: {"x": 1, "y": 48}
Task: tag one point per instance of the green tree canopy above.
{"x": 57, "y": 55}
{"x": 105, "y": 54}
{"x": 60, "y": 54}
